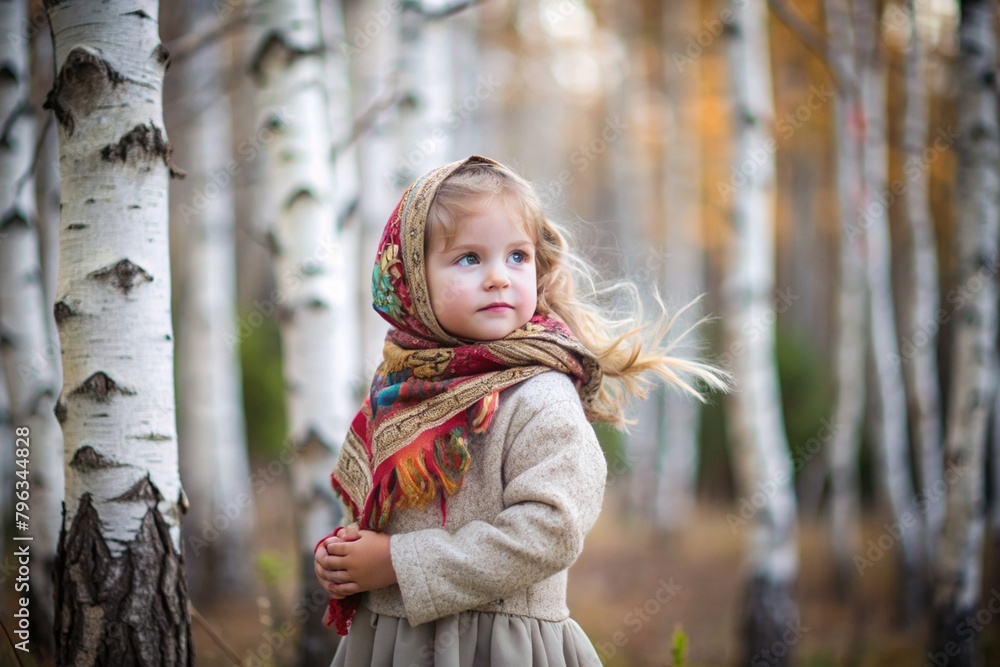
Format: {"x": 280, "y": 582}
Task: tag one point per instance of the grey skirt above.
{"x": 468, "y": 639}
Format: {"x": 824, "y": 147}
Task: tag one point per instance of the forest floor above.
{"x": 630, "y": 590}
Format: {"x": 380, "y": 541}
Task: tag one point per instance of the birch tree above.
{"x": 372, "y": 53}
{"x": 763, "y": 465}
{"x": 890, "y": 425}
{"x": 30, "y": 368}
{"x": 682, "y": 271}
{"x": 919, "y": 350}
{"x": 347, "y": 194}
{"x": 425, "y": 79}
{"x": 299, "y": 205}
{"x": 973, "y": 380}
{"x": 214, "y": 465}
{"x": 849, "y": 356}
{"x": 47, "y": 181}
{"x": 121, "y": 524}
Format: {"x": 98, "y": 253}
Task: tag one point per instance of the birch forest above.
{"x": 191, "y": 196}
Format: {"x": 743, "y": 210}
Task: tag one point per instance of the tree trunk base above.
{"x": 955, "y": 634}
{"x": 771, "y": 626}
{"x": 913, "y": 594}
{"x": 126, "y": 610}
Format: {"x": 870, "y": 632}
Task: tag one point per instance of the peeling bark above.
{"x": 124, "y": 610}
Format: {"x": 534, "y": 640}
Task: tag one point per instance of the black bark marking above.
{"x": 139, "y": 13}
{"x": 60, "y": 411}
{"x": 100, "y": 387}
{"x": 8, "y": 73}
{"x": 23, "y": 108}
{"x": 76, "y": 226}
{"x": 88, "y": 459}
{"x": 83, "y": 81}
{"x": 162, "y": 56}
{"x": 14, "y": 217}
{"x": 276, "y": 46}
{"x": 142, "y": 491}
{"x": 6, "y": 340}
{"x": 142, "y": 145}
{"x": 152, "y": 437}
{"x": 63, "y": 311}
{"x": 89, "y": 200}
{"x": 348, "y": 213}
{"x": 124, "y": 275}
{"x": 136, "y": 603}
{"x": 273, "y": 246}
{"x": 300, "y": 194}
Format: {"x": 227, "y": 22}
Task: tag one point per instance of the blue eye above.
{"x": 468, "y": 260}
{"x": 518, "y": 257}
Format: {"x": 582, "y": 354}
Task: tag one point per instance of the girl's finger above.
{"x": 343, "y": 590}
{"x": 338, "y": 548}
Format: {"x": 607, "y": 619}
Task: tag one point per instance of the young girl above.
{"x": 471, "y": 474}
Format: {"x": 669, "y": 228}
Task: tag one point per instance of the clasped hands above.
{"x": 354, "y": 560}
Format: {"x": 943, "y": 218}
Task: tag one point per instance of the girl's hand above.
{"x": 321, "y": 564}
{"x": 360, "y": 564}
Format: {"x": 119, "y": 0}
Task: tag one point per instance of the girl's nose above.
{"x": 497, "y": 278}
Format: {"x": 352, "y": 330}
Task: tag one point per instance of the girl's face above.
{"x": 482, "y": 284}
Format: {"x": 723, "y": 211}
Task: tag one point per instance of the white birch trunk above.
{"x": 215, "y": 469}
{"x": 469, "y": 135}
{"x": 890, "y": 424}
{"x": 30, "y": 367}
{"x": 639, "y": 239}
{"x": 307, "y": 254}
{"x": 682, "y": 269}
{"x": 977, "y": 192}
{"x": 851, "y": 335}
{"x": 252, "y": 258}
{"x": 121, "y": 526}
{"x": 919, "y": 349}
{"x": 347, "y": 195}
{"x": 374, "y": 57}
{"x": 47, "y": 180}
{"x": 423, "y": 64}
{"x": 760, "y": 446}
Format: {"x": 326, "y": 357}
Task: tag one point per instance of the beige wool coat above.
{"x": 532, "y": 492}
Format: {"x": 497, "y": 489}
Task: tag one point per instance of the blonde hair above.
{"x": 630, "y": 351}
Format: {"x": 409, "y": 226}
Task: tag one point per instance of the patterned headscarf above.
{"x": 409, "y": 442}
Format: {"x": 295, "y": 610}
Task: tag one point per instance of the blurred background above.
{"x": 796, "y": 163}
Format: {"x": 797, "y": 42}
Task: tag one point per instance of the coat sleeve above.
{"x": 555, "y": 474}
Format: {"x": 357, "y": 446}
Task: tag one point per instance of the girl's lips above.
{"x": 497, "y": 307}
